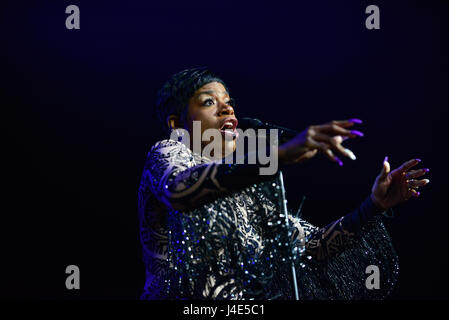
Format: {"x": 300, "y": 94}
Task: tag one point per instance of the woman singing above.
{"x": 214, "y": 230}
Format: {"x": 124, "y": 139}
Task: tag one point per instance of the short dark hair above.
{"x": 173, "y": 97}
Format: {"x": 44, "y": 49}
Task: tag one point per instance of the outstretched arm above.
{"x": 389, "y": 190}
{"x": 331, "y": 240}
{"x": 179, "y": 179}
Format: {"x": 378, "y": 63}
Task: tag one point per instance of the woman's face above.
{"x": 211, "y": 105}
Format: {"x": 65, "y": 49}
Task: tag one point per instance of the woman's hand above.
{"x": 326, "y": 139}
{"x": 397, "y": 186}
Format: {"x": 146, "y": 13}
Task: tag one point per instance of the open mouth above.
{"x": 228, "y": 127}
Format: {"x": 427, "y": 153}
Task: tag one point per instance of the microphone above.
{"x": 285, "y": 134}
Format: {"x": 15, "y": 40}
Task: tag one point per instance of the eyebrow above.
{"x": 211, "y": 92}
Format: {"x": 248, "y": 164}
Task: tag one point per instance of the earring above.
{"x": 176, "y": 134}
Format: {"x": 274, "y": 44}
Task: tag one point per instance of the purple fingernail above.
{"x": 357, "y": 133}
{"x": 419, "y": 160}
{"x": 355, "y": 120}
{"x": 426, "y": 170}
{"x": 386, "y": 159}
{"x": 340, "y": 163}
{"x": 418, "y": 193}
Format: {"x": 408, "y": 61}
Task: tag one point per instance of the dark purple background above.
{"x": 77, "y": 122}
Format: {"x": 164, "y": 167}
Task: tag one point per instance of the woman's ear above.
{"x": 173, "y": 122}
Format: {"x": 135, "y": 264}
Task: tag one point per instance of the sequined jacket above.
{"x": 211, "y": 230}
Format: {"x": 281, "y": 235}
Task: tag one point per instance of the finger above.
{"x": 340, "y": 139}
{"x": 324, "y": 149}
{"x": 385, "y": 169}
{"x": 335, "y": 145}
{"x": 334, "y": 129}
{"x": 416, "y": 173}
{"x": 413, "y": 193}
{"x": 412, "y": 183}
{"x": 409, "y": 164}
{"x": 306, "y": 156}
{"x": 346, "y": 123}
{"x": 333, "y": 157}
{"x": 311, "y": 153}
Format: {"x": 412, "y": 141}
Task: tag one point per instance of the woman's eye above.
{"x": 208, "y": 102}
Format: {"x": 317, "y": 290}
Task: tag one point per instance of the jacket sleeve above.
{"x": 335, "y": 261}
{"x": 324, "y": 243}
{"x": 177, "y": 180}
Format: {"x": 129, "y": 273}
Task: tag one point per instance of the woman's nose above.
{"x": 226, "y": 110}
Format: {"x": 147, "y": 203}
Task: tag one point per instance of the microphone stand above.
{"x": 285, "y": 134}
{"x": 285, "y": 213}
